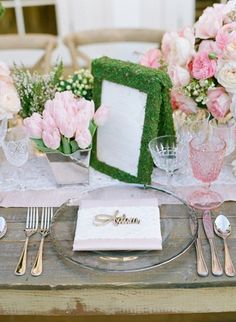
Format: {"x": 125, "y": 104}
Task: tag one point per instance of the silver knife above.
{"x": 202, "y": 269}
{"x": 208, "y": 227}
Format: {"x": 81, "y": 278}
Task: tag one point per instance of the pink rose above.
{"x": 34, "y": 125}
{"x": 151, "y": 58}
{"x": 101, "y": 115}
{"x": 51, "y": 138}
{"x": 203, "y": 67}
{"x": 180, "y": 76}
{"x": 83, "y": 138}
{"x": 209, "y": 23}
{"x": 209, "y": 46}
{"x": 226, "y": 35}
{"x": 218, "y": 102}
{"x": 176, "y": 49}
{"x": 9, "y": 100}
{"x": 182, "y": 102}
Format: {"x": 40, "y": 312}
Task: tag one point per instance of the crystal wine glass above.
{"x": 16, "y": 150}
{"x": 167, "y": 154}
{"x": 206, "y": 159}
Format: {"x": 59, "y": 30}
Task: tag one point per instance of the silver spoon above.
{"x": 3, "y": 227}
{"x": 222, "y": 228}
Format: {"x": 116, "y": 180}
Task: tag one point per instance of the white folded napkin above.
{"x": 95, "y": 229}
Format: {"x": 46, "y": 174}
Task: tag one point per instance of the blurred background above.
{"x": 61, "y": 17}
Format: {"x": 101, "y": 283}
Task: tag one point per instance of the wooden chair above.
{"x": 44, "y": 42}
{"x": 75, "y": 40}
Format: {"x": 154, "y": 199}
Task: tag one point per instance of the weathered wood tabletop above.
{"x": 64, "y": 289}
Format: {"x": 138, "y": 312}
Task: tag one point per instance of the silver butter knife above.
{"x": 208, "y": 227}
{"x": 202, "y": 269}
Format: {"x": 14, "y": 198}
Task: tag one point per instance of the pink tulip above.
{"x": 34, "y": 126}
{"x": 151, "y": 58}
{"x": 203, "y": 67}
{"x": 51, "y": 138}
{"x": 209, "y": 23}
{"x": 83, "y": 138}
{"x": 101, "y": 115}
{"x": 218, "y": 102}
{"x": 87, "y": 106}
{"x": 182, "y": 102}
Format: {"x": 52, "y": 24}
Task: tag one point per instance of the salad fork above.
{"x": 30, "y": 229}
{"x": 47, "y": 214}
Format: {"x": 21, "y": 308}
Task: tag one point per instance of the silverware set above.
{"x": 222, "y": 228}
{"x": 31, "y": 227}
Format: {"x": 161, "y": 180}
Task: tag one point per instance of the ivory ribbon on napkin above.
{"x": 107, "y": 236}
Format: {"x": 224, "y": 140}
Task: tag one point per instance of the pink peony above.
{"x": 151, "y": 58}
{"x": 51, "y": 138}
{"x": 230, "y": 51}
{"x": 101, "y": 115}
{"x": 34, "y": 125}
{"x": 226, "y": 35}
{"x": 203, "y": 67}
{"x": 9, "y": 100}
{"x": 5, "y": 73}
{"x": 83, "y": 138}
{"x": 182, "y": 102}
{"x": 209, "y": 23}
{"x": 218, "y": 102}
{"x": 176, "y": 49}
{"x": 180, "y": 76}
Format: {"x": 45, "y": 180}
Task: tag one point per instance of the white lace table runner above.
{"x": 39, "y": 185}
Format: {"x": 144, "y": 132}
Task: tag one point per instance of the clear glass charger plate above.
{"x": 177, "y": 233}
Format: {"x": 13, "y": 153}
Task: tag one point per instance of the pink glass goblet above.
{"x": 206, "y": 159}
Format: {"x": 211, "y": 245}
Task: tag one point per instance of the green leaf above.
{"x": 41, "y": 146}
{"x": 92, "y": 128}
{"x": 74, "y": 146}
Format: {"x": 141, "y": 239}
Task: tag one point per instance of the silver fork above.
{"x": 30, "y": 229}
{"x": 47, "y": 214}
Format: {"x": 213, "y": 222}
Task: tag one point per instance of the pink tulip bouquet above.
{"x": 9, "y": 99}
{"x": 201, "y": 62}
{"x": 66, "y": 125}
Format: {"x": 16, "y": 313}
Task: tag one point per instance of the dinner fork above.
{"x": 30, "y": 229}
{"x": 47, "y": 214}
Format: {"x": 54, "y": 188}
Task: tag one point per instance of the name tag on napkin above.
{"x": 129, "y": 224}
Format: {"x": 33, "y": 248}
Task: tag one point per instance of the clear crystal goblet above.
{"x": 167, "y": 153}
{"x": 16, "y": 150}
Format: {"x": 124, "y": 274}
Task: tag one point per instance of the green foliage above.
{"x": 35, "y": 89}
{"x": 80, "y": 83}
{"x": 158, "y": 116}
{"x": 2, "y": 10}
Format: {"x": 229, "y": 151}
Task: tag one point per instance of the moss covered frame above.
{"x": 158, "y": 112}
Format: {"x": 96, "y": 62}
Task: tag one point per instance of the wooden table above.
{"x": 68, "y": 290}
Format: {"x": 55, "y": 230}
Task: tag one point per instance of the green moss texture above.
{"x": 158, "y": 113}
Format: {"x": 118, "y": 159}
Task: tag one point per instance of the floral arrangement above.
{"x": 80, "y": 83}
{"x": 35, "y": 89}
{"x": 66, "y": 125}
{"x": 201, "y": 62}
{"x": 9, "y": 99}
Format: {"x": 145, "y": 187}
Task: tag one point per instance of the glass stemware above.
{"x": 206, "y": 159}
{"x": 16, "y": 150}
{"x": 167, "y": 154}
